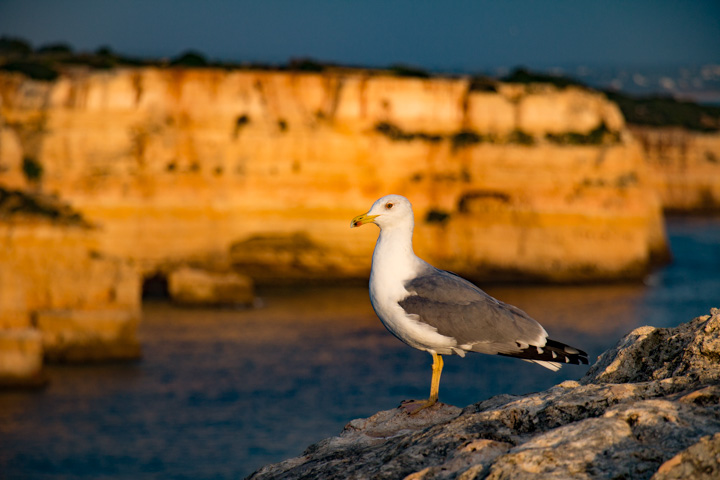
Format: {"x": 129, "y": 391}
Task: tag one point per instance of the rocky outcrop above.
{"x": 648, "y": 408}
{"x": 198, "y": 287}
{"x": 60, "y": 297}
{"x": 683, "y": 167}
{"x": 700, "y": 462}
{"x": 177, "y": 165}
{"x": 81, "y": 336}
{"x": 21, "y": 358}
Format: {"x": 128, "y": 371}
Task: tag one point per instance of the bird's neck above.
{"x": 394, "y": 260}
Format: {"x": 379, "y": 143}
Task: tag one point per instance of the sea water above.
{"x": 220, "y": 393}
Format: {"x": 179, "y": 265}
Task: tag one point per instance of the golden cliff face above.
{"x": 179, "y": 165}
{"x": 683, "y": 167}
{"x": 60, "y": 298}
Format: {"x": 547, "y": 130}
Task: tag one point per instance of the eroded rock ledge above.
{"x": 648, "y": 408}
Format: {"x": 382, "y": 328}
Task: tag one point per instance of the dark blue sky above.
{"x": 440, "y": 35}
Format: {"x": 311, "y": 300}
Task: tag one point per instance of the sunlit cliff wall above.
{"x": 177, "y": 166}
{"x": 60, "y": 298}
{"x": 683, "y": 167}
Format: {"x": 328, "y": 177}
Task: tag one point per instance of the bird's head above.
{"x": 387, "y": 211}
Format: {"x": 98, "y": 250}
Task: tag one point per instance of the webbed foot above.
{"x": 413, "y": 407}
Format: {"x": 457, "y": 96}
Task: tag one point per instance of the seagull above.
{"x": 440, "y": 312}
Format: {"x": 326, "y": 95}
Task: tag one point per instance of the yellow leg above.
{"x": 437, "y": 367}
{"x": 414, "y": 406}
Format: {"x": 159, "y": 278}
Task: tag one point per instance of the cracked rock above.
{"x": 648, "y": 408}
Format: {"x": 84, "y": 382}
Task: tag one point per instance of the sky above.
{"x": 438, "y": 35}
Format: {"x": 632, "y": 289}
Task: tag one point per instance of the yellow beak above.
{"x": 362, "y": 220}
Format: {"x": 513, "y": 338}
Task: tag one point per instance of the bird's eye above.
{"x": 388, "y": 205}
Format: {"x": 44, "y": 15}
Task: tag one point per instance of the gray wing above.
{"x": 459, "y": 309}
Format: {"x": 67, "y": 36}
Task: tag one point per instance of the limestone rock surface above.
{"x": 701, "y": 461}
{"x": 60, "y": 297}
{"x": 21, "y": 358}
{"x": 193, "y": 286}
{"x": 175, "y": 165}
{"x": 682, "y": 166}
{"x": 649, "y": 408}
{"x": 78, "y": 336}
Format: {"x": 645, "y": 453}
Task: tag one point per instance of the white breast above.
{"x": 393, "y": 264}
{"x": 387, "y": 280}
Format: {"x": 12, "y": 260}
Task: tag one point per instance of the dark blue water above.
{"x": 221, "y": 392}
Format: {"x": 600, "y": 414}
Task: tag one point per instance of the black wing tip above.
{"x": 553, "y": 352}
{"x": 563, "y": 346}
{"x": 567, "y": 350}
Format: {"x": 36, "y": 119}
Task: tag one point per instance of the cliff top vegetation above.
{"x": 16, "y": 203}
{"x": 654, "y": 111}
{"x": 47, "y": 62}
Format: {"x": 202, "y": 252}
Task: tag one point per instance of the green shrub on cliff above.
{"x": 465, "y": 138}
{"x": 305, "y": 65}
{"x": 522, "y": 75}
{"x": 666, "y": 111}
{"x": 482, "y": 84}
{"x": 402, "y": 70}
{"x": 395, "y": 133}
{"x": 598, "y": 136}
{"x": 190, "y": 59}
{"x": 429, "y": 137}
{"x": 35, "y": 70}
{"x": 27, "y": 204}
{"x": 55, "y": 49}
{"x": 14, "y": 46}
{"x": 521, "y": 138}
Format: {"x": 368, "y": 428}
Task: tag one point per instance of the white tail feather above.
{"x": 549, "y": 365}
